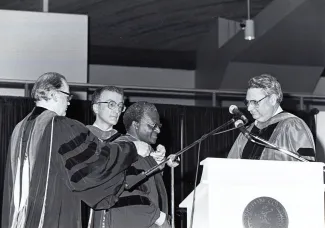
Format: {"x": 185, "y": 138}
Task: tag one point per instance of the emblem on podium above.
{"x": 265, "y": 212}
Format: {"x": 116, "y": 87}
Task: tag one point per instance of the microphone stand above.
{"x": 131, "y": 183}
{"x": 287, "y": 152}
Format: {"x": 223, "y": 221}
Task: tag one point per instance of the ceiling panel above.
{"x": 169, "y": 25}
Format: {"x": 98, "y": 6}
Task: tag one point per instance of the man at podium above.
{"x": 280, "y": 128}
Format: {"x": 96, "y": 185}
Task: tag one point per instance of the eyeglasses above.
{"x": 253, "y": 102}
{"x": 155, "y": 126}
{"x": 69, "y": 98}
{"x": 112, "y": 105}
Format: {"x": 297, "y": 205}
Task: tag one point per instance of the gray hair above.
{"x": 268, "y": 83}
{"x": 45, "y": 83}
{"x": 136, "y": 112}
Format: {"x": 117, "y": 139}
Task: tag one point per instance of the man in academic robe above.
{"x": 146, "y": 205}
{"x": 107, "y": 105}
{"x": 280, "y": 128}
{"x": 52, "y": 164}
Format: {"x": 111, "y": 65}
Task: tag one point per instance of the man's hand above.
{"x": 166, "y": 224}
{"x": 159, "y": 154}
{"x": 162, "y": 221}
{"x": 173, "y": 161}
{"x": 143, "y": 148}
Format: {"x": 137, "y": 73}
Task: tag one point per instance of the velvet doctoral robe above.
{"x": 52, "y": 165}
{"x": 284, "y": 130}
{"x": 95, "y": 216}
{"x": 140, "y": 207}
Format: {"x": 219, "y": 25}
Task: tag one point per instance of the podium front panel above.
{"x": 239, "y": 193}
{"x": 233, "y": 206}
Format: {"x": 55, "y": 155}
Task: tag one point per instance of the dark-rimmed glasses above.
{"x": 112, "y": 105}
{"x": 154, "y": 126}
{"x": 253, "y": 102}
{"x": 69, "y": 95}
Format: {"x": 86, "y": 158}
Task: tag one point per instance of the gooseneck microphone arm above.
{"x": 287, "y": 152}
{"x": 132, "y": 182}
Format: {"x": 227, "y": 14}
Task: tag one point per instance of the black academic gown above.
{"x": 284, "y": 130}
{"x": 141, "y": 207}
{"x": 59, "y": 155}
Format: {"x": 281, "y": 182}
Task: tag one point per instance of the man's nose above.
{"x": 115, "y": 110}
{"x": 157, "y": 129}
{"x": 250, "y": 107}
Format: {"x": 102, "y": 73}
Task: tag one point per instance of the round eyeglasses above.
{"x": 154, "y": 126}
{"x": 112, "y": 105}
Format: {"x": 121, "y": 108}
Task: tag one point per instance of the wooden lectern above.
{"x": 238, "y": 193}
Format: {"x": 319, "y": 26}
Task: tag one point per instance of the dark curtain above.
{"x": 196, "y": 121}
{"x": 81, "y": 111}
{"x": 170, "y": 136}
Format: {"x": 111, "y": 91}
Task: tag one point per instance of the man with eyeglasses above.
{"x": 107, "y": 105}
{"x": 281, "y": 128}
{"x": 146, "y": 205}
{"x": 55, "y": 162}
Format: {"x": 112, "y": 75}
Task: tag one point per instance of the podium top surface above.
{"x": 243, "y": 171}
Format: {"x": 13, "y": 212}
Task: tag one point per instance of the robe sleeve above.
{"x": 294, "y": 135}
{"x": 238, "y": 147}
{"x": 140, "y": 210}
{"x": 137, "y": 204}
{"x": 143, "y": 214}
{"x": 96, "y": 174}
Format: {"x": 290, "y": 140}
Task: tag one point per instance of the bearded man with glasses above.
{"x": 281, "y": 128}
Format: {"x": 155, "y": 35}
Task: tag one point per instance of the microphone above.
{"x": 241, "y": 126}
{"x": 233, "y": 109}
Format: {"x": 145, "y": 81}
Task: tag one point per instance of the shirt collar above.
{"x": 278, "y": 111}
{"x": 95, "y": 125}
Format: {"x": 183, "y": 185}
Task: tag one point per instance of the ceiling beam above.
{"x": 142, "y": 58}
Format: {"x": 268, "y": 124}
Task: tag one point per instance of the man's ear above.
{"x": 95, "y": 108}
{"x": 273, "y": 99}
{"x": 53, "y": 96}
{"x": 135, "y": 125}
